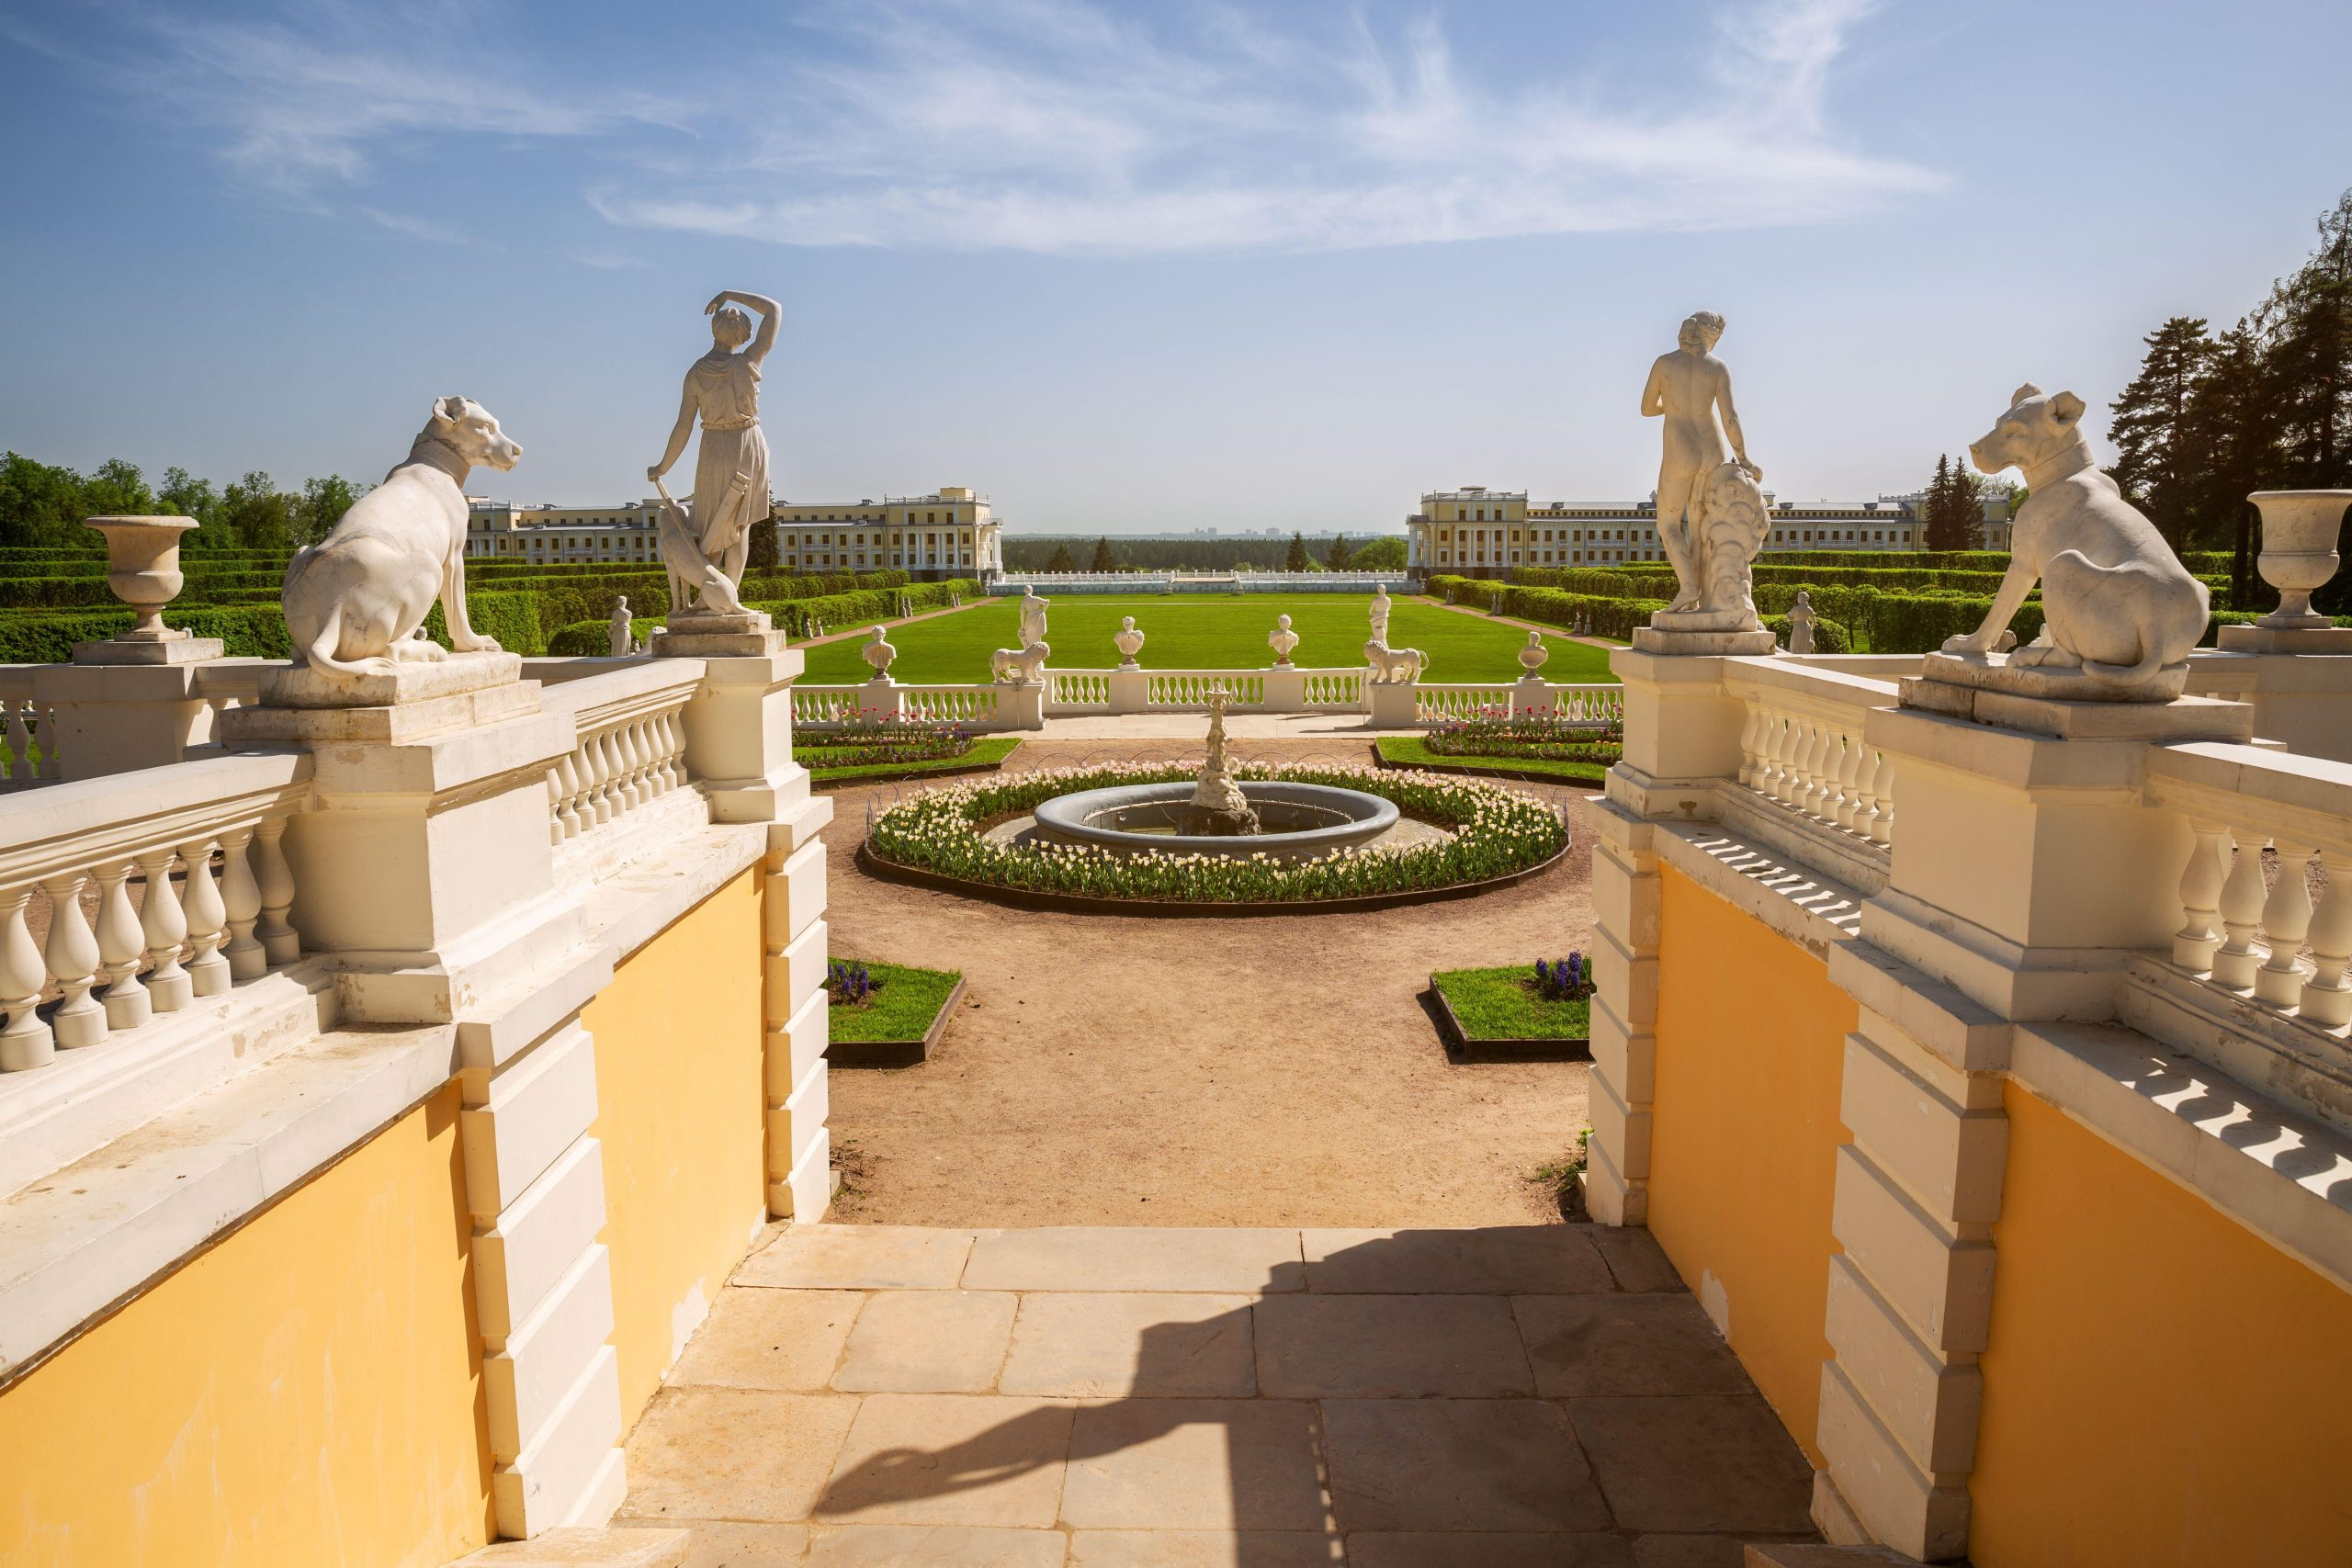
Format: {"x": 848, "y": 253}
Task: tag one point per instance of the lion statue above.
{"x": 1019, "y": 666}
{"x": 1393, "y": 666}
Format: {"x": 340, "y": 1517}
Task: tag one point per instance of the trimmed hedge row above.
{"x": 1887, "y": 623}
{"x": 842, "y": 611}
{"x": 256, "y": 631}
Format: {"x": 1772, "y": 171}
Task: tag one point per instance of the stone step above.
{"x": 1806, "y": 1555}
{"x": 585, "y": 1548}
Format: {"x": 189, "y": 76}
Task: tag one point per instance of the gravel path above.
{"x": 1273, "y": 1071}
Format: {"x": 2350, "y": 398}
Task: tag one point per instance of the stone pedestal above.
{"x": 1998, "y": 675}
{"x": 1287, "y": 689}
{"x": 1682, "y": 733}
{"x": 1021, "y": 705}
{"x": 2322, "y": 636}
{"x": 182, "y": 650}
{"x": 118, "y": 718}
{"x": 1393, "y": 704}
{"x": 880, "y": 701}
{"x": 739, "y": 736}
{"x": 746, "y": 636}
{"x": 1531, "y": 696}
{"x": 1686, "y": 640}
{"x": 1130, "y": 690}
{"x": 425, "y": 863}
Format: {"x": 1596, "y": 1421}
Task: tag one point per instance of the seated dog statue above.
{"x": 1020, "y": 666}
{"x": 1393, "y": 666}
{"x": 697, "y": 585}
{"x": 2117, "y": 603}
{"x": 355, "y": 602}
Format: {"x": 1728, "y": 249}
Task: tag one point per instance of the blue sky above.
{"x": 1134, "y": 266}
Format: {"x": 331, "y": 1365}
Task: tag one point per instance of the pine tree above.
{"x": 2233, "y": 423}
{"x": 1342, "y": 555}
{"x": 2159, "y": 447}
{"x": 1103, "y": 561}
{"x": 1298, "y": 559}
{"x": 1062, "y": 562}
{"x": 2309, "y": 350}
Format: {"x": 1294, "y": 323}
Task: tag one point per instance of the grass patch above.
{"x": 904, "y": 1003}
{"x": 1209, "y": 631}
{"x": 1412, "y": 751}
{"x": 842, "y": 765}
{"x": 1502, "y": 1004}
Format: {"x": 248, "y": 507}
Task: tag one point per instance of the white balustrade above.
{"x": 2261, "y": 823}
{"x": 1802, "y": 746}
{"x": 1078, "y": 690}
{"x": 28, "y": 729}
{"x": 1190, "y": 689}
{"x": 1340, "y": 690}
{"x": 1460, "y": 700}
{"x": 631, "y": 747}
{"x": 68, "y": 850}
{"x": 972, "y": 706}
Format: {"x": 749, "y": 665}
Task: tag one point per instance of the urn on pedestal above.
{"x": 143, "y": 569}
{"x": 2299, "y": 553}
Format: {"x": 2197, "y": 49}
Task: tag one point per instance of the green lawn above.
{"x": 1413, "y": 751}
{"x": 904, "y": 1002}
{"x": 1502, "y": 1004}
{"x": 840, "y": 764}
{"x": 1209, "y": 631}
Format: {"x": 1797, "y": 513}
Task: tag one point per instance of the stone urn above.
{"x": 1281, "y": 639}
{"x": 143, "y": 569}
{"x": 1129, "y": 642}
{"x": 2299, "y": 556}
{"x": 1532, "y": 657}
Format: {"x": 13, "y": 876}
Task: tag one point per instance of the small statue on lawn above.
{"x": 620, "y": 641}
{"x": 1801, "y": 624}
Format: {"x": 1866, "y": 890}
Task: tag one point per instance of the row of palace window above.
{"x": 898, "y": 558}
{"x": 1477, "y": 539}
{"x": 931, "y": 518}
{"x": 859, "y": 541}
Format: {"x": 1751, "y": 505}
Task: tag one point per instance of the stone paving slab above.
{"x": 1107, "y": 1257}
{"x": 1124, "y": 1397}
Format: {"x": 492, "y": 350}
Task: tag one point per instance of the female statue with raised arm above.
{"x": 731, "y": 469}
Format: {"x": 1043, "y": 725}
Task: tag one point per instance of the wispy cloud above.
{"x": 1080, "y": 126}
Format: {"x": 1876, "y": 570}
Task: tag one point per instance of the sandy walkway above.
{"x": 1275, "y": 1071}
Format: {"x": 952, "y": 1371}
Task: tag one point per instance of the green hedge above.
{"x": 256, "y": 631}
{"x": 512, "y": 618}
{"x": 1829, "y": 637}
{"x": 842, "y": 611}
{"x": 1879, "y": 622}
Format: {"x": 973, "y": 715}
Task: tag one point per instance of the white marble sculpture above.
{"x": 722, "y": 389}
{"x": 1281, "y": 639}
{"x": 355, "y": 602}
{"x": 1215, "y": 795}
{"x": 2119, "y": 612}
{"x": 1032, "y": 616}
{"x": 1711, "y": 515}
{"x": 878, "y": 653}
{"x": 1020, "y": 666}
{"x": 1380, "y": 602}
{"x": 1532, "y": 657}
{"x": 1393, "y": 666}
{"x": 1129, "y": 642}
{"x": 1801, "y": 624}
{"x": 618, "y": 641}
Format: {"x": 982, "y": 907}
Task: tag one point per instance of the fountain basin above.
{"x": 1296, "y": 821}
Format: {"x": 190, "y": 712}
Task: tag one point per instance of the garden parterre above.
{"x": 1493, "y": 831}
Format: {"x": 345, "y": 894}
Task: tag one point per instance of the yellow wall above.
{"x": 1750, "y": 1049}
{"x": 307, "y": 1392}
{"x": 679, "y": 1109}
{"x": 2161, "y": 1385}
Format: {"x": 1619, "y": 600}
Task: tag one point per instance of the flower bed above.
{"x": 1496, "y": 733}
{"x": 886, "y": 1015}
{"x": 830, "y": 764}
{"x": 1515, "y": 1013}
{"x": 1496, "y": 833}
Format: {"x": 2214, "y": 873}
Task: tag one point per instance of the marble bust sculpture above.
{"x": 1128, "y": 640}
{"x": 1281, "y": 639}
{"x": 722, "y": 389}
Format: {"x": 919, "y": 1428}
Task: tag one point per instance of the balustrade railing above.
{"x": 70, "y": 858}
{"x": 1334, "y": 690}
{"x": 29, "y": 727}
{"x": 631, "y": 746}
{"x": 1077, "y": 690}
{"x": 2263, "y": 827}
{"x": 1191, "y": 688}
{"x": 1460, "y": 699}
{"x": 1803, "y": 749}
{"x": 973, "y": 705}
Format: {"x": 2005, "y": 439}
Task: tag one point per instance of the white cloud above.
{"x": 1069, "y": 127}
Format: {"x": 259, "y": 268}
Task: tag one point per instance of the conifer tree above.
{"x": 1103, "y": 561}
{"x": 2160, "y": 450}
{"x": 1062, "y": 560}
{"x": 1341, "y": 553}
{"x": 1298, "y": 559}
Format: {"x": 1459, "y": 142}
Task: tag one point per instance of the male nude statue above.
{"x": 1688, "y": 386}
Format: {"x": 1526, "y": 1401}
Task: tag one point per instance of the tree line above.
{"x": 2264, "y": 404}
{"x": 46, "y": 505}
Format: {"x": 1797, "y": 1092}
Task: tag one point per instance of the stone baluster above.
{"x": 1786, "y": 737}
{"x": 1883, "y": 824}
{"x": 1751, "y": 736}
{"x": 279, "y": 941}
{"x": 1853, "y": 815}
{"x": 71, "y": 955}
{"x": 2201, "y": 897}
{"x": 241, "y": 898}
{"x": 594, "y": 809}
{"x": 121, "y": 948}
{"x": 21, "y": 768}
{"x": 612, "y": 801}
{"x": 49, "y": 742}
{"x": 673, "y": 734}
{"x": 165, "y": 928}
{"x": 1867, "y": 767}
{"x": 649, "y": 758}
{"x": 26, "y": 1041}
{"x": 568, "y": 790}
{"x": 207, "y": 920}
{"x": 2285, "y": 916}
{"x": 2235, "y": 960}
{"x": 1801, "y": 771}
{"x": 2327, "y": 995}
{"x": 628, "y": 781}
{"x": 555, "y": 808}
{"x": 1821, "y": 801}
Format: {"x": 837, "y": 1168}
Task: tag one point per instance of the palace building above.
{"x": 949, "y": 533}
{"x": 1478, "y": 532}
{"x": 502, "y": 530}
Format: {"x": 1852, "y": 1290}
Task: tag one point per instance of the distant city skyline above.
{"x": 1289, "y": 266}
